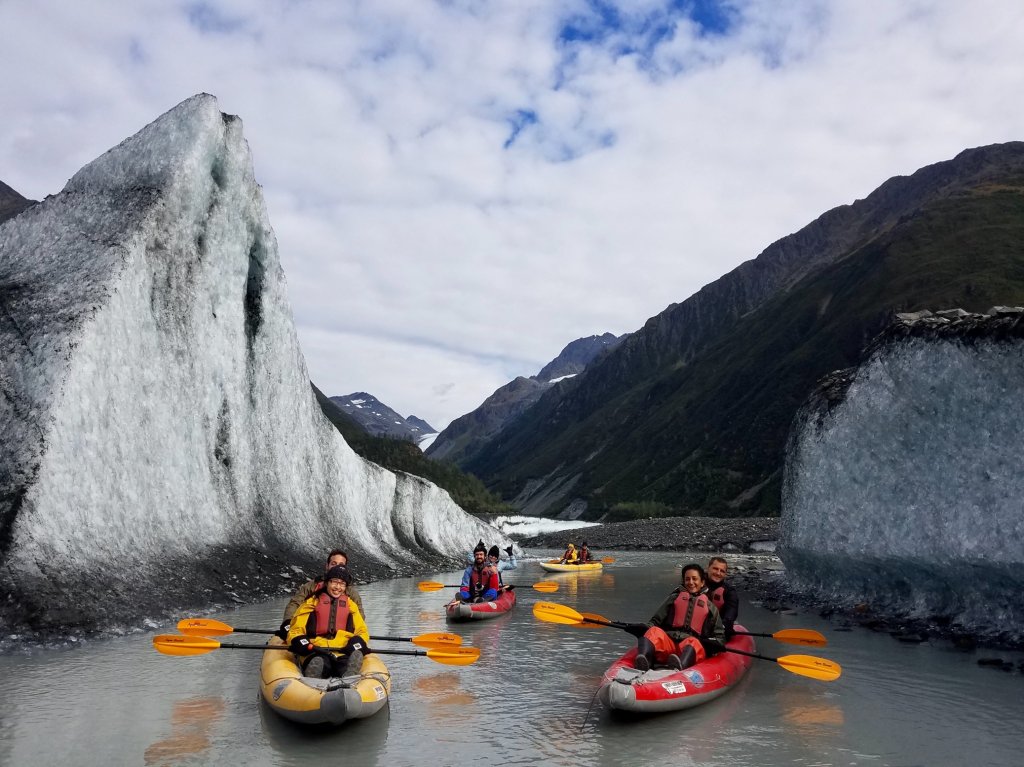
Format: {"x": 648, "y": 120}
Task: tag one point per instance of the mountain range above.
{"x": 12, "y": 203}
{"x": 690, "y": 413}
{"x": 380, "y": 420}
{"x": 466, "y": 435}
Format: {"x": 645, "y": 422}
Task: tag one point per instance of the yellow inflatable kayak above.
{"x": 556, "y": 566}
{"x": 322, "y": 701}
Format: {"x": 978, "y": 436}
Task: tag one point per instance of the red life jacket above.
{"x": 328, "y": 618}
{"x": 700, "y": 612}
{"x": 718, "y": 596}
{"x": 480, "y": 580}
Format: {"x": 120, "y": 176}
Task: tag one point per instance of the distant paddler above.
{"x": 570, "y": 557}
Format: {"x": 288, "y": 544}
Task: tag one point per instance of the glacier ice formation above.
{"x": 161, "y": 437}
{"x": 903, "y": 485}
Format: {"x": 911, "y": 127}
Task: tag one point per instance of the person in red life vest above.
{"x": 723, "y": 594}
{"x": 570, "y": 557}
{"x": 336, "y": 558}
{"x": 329, "y": 620}
{"x": 480, "y": 581}
{"x": 585, "y": 554}
{"x": 686, "y": 628}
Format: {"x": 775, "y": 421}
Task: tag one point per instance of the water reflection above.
{"x": 441, "y": 693}
{"x": 809, "y": 711}
{"x": 360, "y": 740}
{"x": 192, "y": 721}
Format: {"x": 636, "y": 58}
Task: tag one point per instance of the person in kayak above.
{"x": 585, "y": 557}
{"x": 480, "y": 581}
{"x": 329, "y": 620}
{"x": 685, "y": 629}
{"x": 570, "y": 556}
{"x": 723, "y": 594}
{"x": 494, "y": 561}
{"x": 336, "y": 558}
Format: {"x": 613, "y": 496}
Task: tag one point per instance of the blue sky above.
{"x": 461, "y": 188}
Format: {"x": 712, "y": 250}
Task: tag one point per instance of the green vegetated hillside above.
{"x": 402, "y": 455}
{"x": 706, "y": 434}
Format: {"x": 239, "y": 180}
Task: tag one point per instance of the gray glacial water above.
{"x": 526, "y": 701}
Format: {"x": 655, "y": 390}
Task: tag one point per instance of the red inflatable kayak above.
{"x": 661, "y": 689}
{"x": 459, "y": 612}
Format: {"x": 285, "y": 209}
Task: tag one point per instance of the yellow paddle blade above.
{"x": 455, "y": 656}
{"x": 808, "y": 665}
{"x": 437, "y": 640}
{"x": 548, "y": 587}
{"x": 174, "y": 644}
{"x": 805, "y": 637}
{"x": 429, "y": 586}
{"x": 608, "y": 560}
{"x": 556, "y": 613}
{"x": 203, "y": 627}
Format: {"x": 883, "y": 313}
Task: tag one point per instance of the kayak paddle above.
{"x": 805, "y": 637}
{"x": 805, "y": 665}
{"x": 176, "y": 644}
{"x": 548, "y": 587}
{"x": 207, "y": 627}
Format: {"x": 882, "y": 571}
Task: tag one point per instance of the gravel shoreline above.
{"x": 713, "y": 534}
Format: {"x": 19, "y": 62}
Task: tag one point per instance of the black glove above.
{"x": 285, "y": 628}
{"x": 509, "y": 551}
{"x": 636, "y": 629}
{"x": 355, "y": 643}
{"x": 712, "y": 646}
{"x": 301, "y": 646}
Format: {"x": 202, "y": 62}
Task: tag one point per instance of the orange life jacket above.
{"x": 480, "y": 580}
{"x": 329, "y": 617}
{"x": 686, "y": 602}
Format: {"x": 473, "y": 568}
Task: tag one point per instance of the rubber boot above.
{"x": 687, "y": 657}
{"x": 355, "y": 663}
{"x": 644, "y": 654}
{"x": 318, "y": 666}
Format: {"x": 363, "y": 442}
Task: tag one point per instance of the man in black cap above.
{"x": 479, "y": 581}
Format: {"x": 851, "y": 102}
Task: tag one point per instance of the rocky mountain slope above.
{"x": 380, "y": 420}
{"x": 691, "y": 412}
{"x": 464, "y": 436}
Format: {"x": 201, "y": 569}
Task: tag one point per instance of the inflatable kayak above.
{"x": 322, "y": 701}
{"x": 460, "y": 612}
{"x": 556, "y": 566}
{"x": 661, "y": 689}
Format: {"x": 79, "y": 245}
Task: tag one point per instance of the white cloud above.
{"x": 426, "y": 263}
